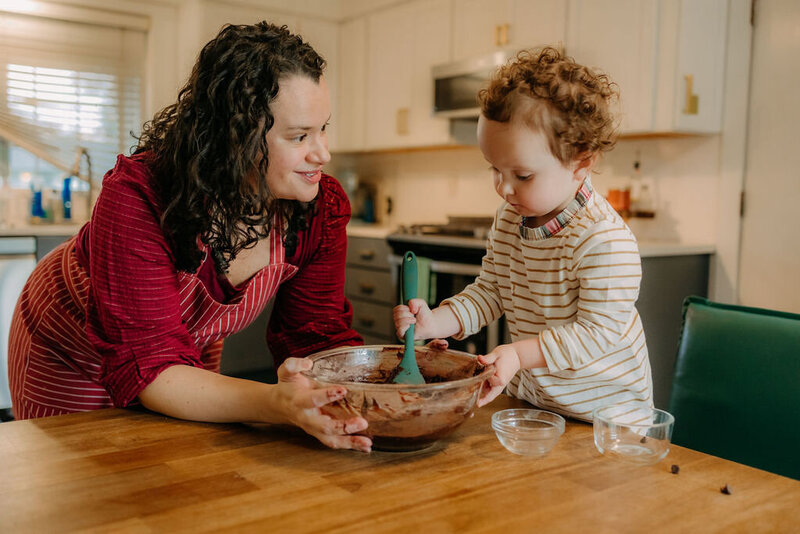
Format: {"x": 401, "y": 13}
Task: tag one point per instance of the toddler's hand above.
{"x": 506, "y": 364}
{"x": 418, "y": 313}
{"x": 438, "y": 344}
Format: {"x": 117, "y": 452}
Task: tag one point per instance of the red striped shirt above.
{"x": 106, "y": 312}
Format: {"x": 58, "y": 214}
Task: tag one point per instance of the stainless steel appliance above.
{"x": 455, "y": 250}
{"x": 456, "y": 85}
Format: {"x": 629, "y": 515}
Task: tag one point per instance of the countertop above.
{"x": 647, "y": 249}
{"x": 118, "y": 470}
{"x": 44, "y": 229}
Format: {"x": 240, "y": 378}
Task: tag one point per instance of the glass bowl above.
{"x": 401, "y": 417}
{"x": 528, "y": 432}
{"x": 634, "y": 433}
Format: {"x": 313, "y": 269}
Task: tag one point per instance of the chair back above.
{"x": 736, "y": 389}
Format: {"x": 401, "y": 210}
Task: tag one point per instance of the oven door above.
{"x": 448, "y": 278}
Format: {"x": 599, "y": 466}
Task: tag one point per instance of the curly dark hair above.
{"x": 568, "y": 102}
{"x": 210, "y": 143}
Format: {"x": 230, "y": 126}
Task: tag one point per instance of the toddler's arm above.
{"x": 438, "y": 323}
{"x": 507, "y": 360}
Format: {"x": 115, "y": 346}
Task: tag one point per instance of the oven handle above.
{"x": 445, "y": 267}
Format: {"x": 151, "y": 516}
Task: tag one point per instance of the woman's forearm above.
{"x": 195, "y": 394}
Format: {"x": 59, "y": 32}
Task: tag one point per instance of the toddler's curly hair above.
{"x": 568, "y": 102}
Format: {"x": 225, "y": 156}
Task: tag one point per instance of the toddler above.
{"x": 560, "y": 263}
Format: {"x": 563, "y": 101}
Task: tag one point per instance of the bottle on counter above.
{"x": 642, "y": 199}
{"x": 66, "y": 199}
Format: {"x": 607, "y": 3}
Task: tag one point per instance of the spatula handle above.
{"x": 409, "y": 277}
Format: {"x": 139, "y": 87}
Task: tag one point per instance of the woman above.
{"x": 222, "y": 206}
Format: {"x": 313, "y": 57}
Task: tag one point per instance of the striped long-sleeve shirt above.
{"x": 574, "y": 283}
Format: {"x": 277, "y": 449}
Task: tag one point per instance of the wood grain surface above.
{"x": 129, "y": 471}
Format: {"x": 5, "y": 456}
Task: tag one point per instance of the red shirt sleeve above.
{"x": 311, "y": 313}
{"x": 133, "y": 312}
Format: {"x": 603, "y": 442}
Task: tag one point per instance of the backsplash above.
{"x": 426, "y": 186}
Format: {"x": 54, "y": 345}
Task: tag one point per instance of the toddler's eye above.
{"x": 325, "y": 126}
{"x": 523, "y": 178}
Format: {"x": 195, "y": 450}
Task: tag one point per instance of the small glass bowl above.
{"x": 526, "y": 431}
{"x": 634, "y": 433}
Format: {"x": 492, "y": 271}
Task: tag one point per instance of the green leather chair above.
{"x": 736, "y": 389}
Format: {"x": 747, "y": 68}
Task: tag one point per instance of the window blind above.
{"x": 67, "y": 85}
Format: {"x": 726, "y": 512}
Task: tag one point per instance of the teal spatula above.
{"x": 409, "y": 372}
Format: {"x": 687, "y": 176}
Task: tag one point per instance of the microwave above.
{"x": 456, "y": 85}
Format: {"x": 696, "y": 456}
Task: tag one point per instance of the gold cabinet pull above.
{"x": 691, "y": 101}
{"x": 504, "y": 35}
{"x": 366, "y": 322}
{"x": 402, "y": 121}
{"x": 366, "y": 255}
{"x": 367, "y": 289}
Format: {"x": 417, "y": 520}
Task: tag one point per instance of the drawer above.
{"x": 370, "y": 285}
{"x": 368, "y": 252}
{"x": 373, "y": 318}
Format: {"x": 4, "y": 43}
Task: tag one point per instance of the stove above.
{"x": 460, "y": 239}
{"x": 475, "y": 227}
{"x": 456, "y": 249}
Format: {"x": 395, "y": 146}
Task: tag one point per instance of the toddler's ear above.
{"x": 582, "y": 165}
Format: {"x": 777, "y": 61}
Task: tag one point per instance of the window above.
{"x": 65, "y": 86}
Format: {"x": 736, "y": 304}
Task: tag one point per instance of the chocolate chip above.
{"x": 643, "y": 440}
{"x": 726, "y": 489}
{"x": 675, "y": 469}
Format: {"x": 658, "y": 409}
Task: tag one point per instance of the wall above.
{"x": 426, "y": 186}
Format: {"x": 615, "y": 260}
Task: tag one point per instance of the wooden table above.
{"x": 120, "y": 470}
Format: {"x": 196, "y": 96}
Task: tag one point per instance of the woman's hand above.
{"x": 506, "y": 364}
{"x": 417, "y": 313}
{"x": 303, "y": 406}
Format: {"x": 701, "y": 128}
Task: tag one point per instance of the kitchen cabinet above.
{"x": 666, "y": 282}
{"x": 484, "y": 26}
{"x": 324, "y": 37}
{"x": 371, "y": 289}
{"x": 666, "y": 56}
{"x": 349, "y": 122}
{"x": 404, "y": 43}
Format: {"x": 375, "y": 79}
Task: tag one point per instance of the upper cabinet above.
{"x": 349, "y": 122}
{"x": 666, "y": 56}
{"x": 404, "y": 43}
{"x": 323, "y": 35}
{"x": 484, "y": 26}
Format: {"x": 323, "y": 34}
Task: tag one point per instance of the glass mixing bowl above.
{"x": 634, "y": 433}
{"x": 401, "y": 417}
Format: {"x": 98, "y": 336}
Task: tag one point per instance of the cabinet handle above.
{"x": 367, "y": 289}
{"x": 366, "y": 322}
{"x": 366, "y": 255}
{"x": 691, "y": 102}
{"x": 402, "y": 121}
{"x": 504, "y": 34}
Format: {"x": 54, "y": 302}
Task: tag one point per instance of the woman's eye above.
{"x": 325, "y": 126}
{"x": 299, "y": 138}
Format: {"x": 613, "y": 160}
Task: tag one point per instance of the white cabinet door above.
{"x": 478, "y": 26}
{"x": 483, "y": 26}
{"x": 536, "y": 23}
{"x": 324, "y": 37}
{"x": 698, "y": 80}
{"x": 619, "y": 38}
{"x": 404, "y": 43}
{"x": 349, "y": 121}
{"x": 666, "y": 56}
